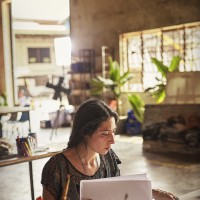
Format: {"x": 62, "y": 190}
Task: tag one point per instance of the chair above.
{"x": 163, "y": 195}
{"x": 39, "y": 198}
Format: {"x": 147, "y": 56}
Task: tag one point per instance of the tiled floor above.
{"x": 169, "y": 174}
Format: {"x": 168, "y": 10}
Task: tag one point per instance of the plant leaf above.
{"x": 161, "y": 96}
{"x": 137, "y": 105}
{"x": 125, "y": 77}
{"x": 105, "y": 81}
{"x": 160, "y": 66}
{"x": 149, "y": 89}
{"x": 114, "y": 70}
{"x": 174, "y": 64}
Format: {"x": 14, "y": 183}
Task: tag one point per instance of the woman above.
{"x": 88, "y": 155}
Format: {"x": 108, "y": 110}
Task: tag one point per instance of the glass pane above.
{"x": 192, "y": 49}
{"x": 173, "y": 45}
{"x": 134, "y": 53}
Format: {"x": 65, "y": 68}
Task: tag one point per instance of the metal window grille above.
{"x": 137, "y": 49}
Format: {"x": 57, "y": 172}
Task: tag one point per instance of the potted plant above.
{"x": 158, "y": 91}
{"x": 114, "y": 82}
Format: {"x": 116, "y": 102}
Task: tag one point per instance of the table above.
{"x": 7, "y": 109}
{"x": 41, "y": 152}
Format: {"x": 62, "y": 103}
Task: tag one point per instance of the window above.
{"x": 39, "y": 55}
{"x": 137, "y": 48}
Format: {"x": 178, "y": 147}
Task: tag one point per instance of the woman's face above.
{"x": 102, "y": 139}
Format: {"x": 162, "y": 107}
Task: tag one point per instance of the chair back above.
{"x": 163, "y": 195}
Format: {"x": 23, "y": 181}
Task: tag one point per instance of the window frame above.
{"x": 39, "y": 55}
{"x": 162, "y": 51}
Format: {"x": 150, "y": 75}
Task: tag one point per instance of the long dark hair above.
{"x": 87, "y": 119}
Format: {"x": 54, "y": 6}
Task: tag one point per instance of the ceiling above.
{"x": 40, "y": 14}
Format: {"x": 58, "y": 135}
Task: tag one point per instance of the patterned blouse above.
{"x": 55, "y": 171}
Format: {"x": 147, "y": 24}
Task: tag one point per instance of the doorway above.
{"x": 34, "y": 26}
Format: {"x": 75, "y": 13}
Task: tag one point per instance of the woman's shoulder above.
{"x": 56, "y": 160}
{"x": 58, "y": 156}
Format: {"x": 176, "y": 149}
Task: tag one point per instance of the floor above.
{"x": 178, "y": 176}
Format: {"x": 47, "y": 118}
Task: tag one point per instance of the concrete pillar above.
{"x": 2, "y": 66}
{"x": 6, "y": 65}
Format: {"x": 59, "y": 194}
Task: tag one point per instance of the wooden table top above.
{"x": 40, "y": 152}
{"x": 7, "y": 109}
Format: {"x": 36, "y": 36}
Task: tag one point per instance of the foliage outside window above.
{"x": 39, "y": 55}
{"x": 137, "y": 49}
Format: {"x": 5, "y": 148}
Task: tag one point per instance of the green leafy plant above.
{"x": 138, "y": 106}
{"x": 159, "y": 90}
{"x": 114, "y": 83}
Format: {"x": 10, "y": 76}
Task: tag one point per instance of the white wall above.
{"x": 23, "y": 67}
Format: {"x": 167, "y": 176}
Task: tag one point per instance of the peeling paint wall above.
{"x": 95, "y": 23}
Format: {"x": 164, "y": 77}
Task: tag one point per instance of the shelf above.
{"x": 81, "y": 74}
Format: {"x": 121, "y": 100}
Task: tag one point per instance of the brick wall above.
{"x": 155, "y": 113}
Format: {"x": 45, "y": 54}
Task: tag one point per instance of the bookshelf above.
{"x": 81, "y": 73}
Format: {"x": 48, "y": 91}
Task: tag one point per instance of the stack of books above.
{"x": 25, "y": 146}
